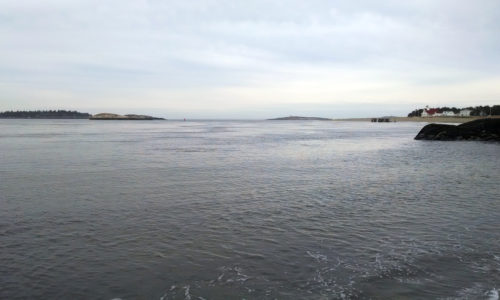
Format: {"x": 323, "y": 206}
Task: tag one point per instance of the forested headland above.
{"x": 474, "y": 111}
{"x": 44, "y": 114}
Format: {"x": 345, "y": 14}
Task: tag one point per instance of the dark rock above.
{"x": 478, "y": 130}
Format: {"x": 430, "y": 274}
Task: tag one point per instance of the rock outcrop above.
{"x": 477, "y": 130}
{"x": 108, "y": 116}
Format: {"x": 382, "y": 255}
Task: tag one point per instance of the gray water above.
{"x": 245, "y": 210}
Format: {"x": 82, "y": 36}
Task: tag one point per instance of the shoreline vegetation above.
{"x": 66, "y": 114}
{"x": 44, "y": 114}
{"x": 476, "y": 111}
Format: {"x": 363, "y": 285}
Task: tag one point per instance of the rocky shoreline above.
{"x": 478, "y": 130}
{"x": 108, "y": 116}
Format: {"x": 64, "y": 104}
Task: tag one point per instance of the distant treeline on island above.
{"x": 44, "y": 114}
{"x": 469, "y": 111}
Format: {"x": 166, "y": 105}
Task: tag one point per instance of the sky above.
{"x": 249, "y": 59}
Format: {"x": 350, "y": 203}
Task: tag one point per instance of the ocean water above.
{"x": 245, "y": 210}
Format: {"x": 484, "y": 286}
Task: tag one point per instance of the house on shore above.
{"x": 435, "y": 112}
{"x": 465, "y": 113}
{"x": 449, "y": 113}
{"x": 429, "y": 112}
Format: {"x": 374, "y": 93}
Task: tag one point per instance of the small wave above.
{"x": 187, "y": 295}
{"x": 173, "y": 293}
{"x": 232, "y": 274}
{"x": 492, "y": 295}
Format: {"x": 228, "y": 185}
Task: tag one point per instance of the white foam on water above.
{"x": 492, "y": 295}
{"x": 477, "y": 291}
{"x": 317, "y": 256}
{"x": 240, "y": 275}
{"x": 232, "y": 274}
{"x": 171, "y": 290}
{"x": 187, "y": 295}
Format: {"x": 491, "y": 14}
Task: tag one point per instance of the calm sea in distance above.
{"x": 245, "y": 210}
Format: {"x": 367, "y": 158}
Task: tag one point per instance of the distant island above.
{"x": 297, "y": 118}
{"x": 108, "y": 116}
{"x": 44, "y": 114}
{"x": 66, "y": 114}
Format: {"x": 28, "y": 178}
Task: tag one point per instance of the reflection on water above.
{"x": 254, "y": 210}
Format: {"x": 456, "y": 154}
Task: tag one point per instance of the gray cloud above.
{"x": 181, "y": 56}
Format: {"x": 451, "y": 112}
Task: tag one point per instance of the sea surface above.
{"x": 245, "y": 210}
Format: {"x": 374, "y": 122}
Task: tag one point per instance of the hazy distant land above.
{"x": 64, "y": 114}
{"x": 297, "y": 118}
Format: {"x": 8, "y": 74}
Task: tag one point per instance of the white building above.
{"x": 465, "y": 113}
{"x": 429, "y": 112}
{"x": 448, "y": 113}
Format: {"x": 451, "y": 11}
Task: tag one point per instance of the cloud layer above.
{"x": 250, "y": 59}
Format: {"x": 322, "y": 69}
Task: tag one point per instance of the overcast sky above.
{"x": 248, "y": 59}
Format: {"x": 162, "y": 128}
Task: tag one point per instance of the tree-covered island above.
{"x": 44, "y": 114}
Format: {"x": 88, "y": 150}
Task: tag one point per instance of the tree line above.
{"x": 475, "y": 111}
{"x": 44, "y": 114}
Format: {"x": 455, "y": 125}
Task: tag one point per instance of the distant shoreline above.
{"x": 299, "y": 118}
{"x": 66, "y": 114}
{"x": 116, "y": 117}
{"x": 422, "y": 119}
{"x": 44, "y": 114}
